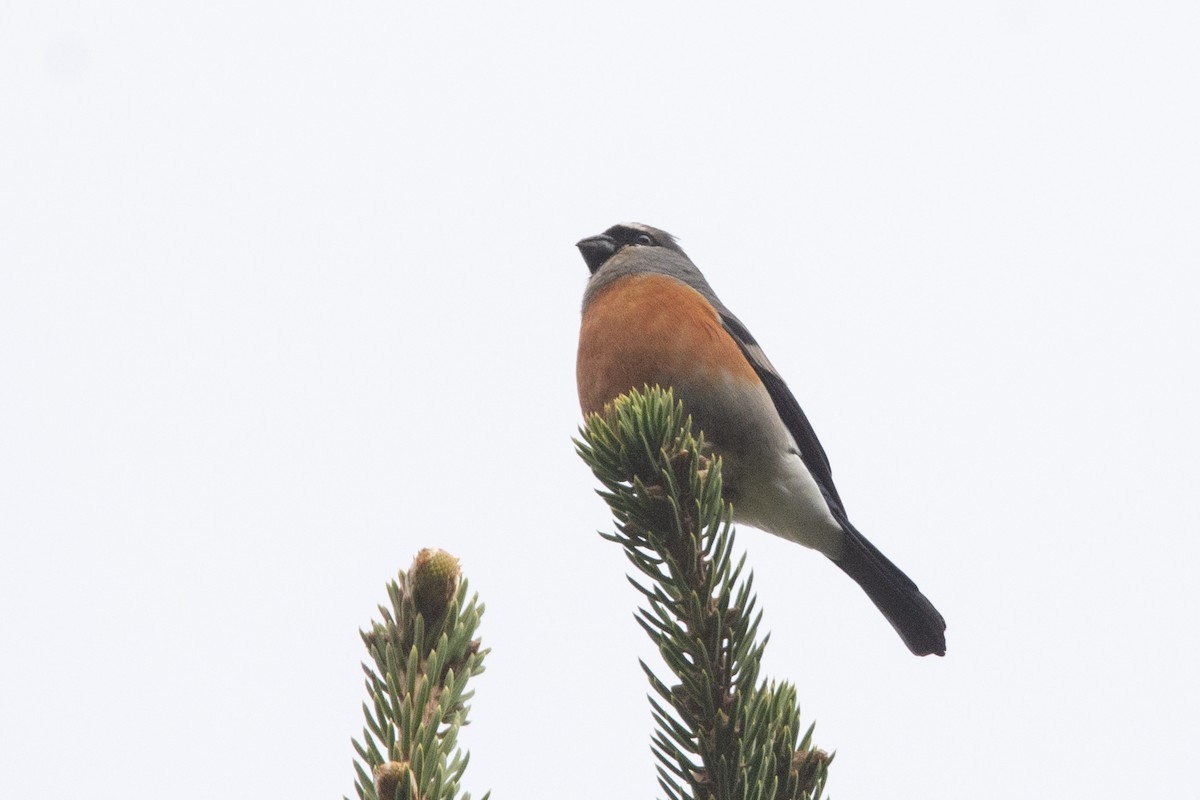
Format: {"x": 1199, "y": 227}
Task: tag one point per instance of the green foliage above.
{"x": 424, "y": 653}
{"x": 720, "y": 734}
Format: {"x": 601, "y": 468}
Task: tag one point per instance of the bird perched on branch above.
{"x": 650, "y": 317}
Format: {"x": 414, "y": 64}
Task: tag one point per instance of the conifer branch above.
{"x": 424, "y": 652}
{"x": 720, "y": 734}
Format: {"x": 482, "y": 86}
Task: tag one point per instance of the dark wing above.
{"x": 811, "y": 452}
{"x": 910, "y": 612}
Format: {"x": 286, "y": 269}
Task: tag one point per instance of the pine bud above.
{"x": 388, "y": 778}
{"x": 433, "y": 579}
{"x": 806, "y": 764}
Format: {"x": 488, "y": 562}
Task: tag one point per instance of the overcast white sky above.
{"x": 288, "y": 291}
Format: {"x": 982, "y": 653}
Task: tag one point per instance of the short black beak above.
{"x": 596, "y": 250}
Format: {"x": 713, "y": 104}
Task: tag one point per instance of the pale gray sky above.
{"x": 288, "y": 291}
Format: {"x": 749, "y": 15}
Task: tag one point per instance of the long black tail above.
{"x": 910, "y": 612}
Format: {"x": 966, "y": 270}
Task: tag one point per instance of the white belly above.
{"x": 783, "y": 499}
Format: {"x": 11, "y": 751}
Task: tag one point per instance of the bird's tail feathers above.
{"x": 912, "y": 615}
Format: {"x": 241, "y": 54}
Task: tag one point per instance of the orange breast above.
{"x": 652, "y": 329}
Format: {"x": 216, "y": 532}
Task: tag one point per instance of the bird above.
{"x": 650, "y": 318}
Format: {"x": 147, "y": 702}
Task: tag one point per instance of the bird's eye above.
{"x": 644, "y": 239}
